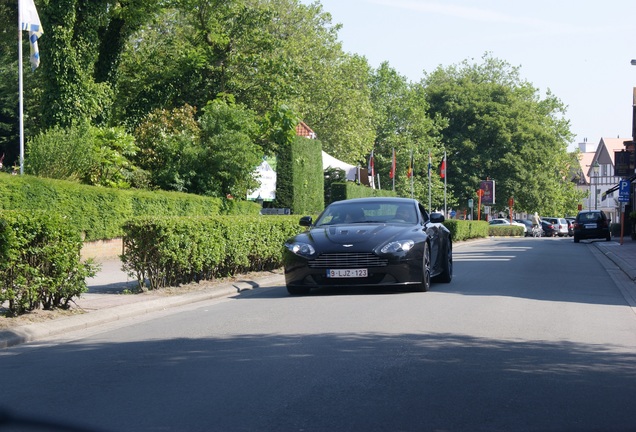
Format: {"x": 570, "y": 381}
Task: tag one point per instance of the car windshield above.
{"x": 589, "y": 216}
{"x": 371, "y": 212}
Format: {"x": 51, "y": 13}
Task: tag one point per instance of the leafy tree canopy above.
{"x": 500, "y": 128}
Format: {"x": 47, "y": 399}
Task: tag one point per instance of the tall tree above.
{"x": 402, "y": 122}
{"x": 200, "y": 49}
{"x": 265, "y": 53}
{"x": 500, "y": 128}
{"x": 215, "y": 155}
{"x": 338, "y": 108}
{"x": 81, "y": 55}
{"x": 229, "y": 152}
{"x": 168, "y": 143}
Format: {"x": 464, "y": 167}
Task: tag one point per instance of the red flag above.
{"x": 442, "y": 169}
{"x": 371, "y": 165}
{"x": 392, "y": 173}
{"x": 409, "y": 173}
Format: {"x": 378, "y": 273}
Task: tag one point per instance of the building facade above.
{"x": 599, "y": 179}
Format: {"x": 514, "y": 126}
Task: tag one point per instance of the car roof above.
{"x": 396, "y": 200}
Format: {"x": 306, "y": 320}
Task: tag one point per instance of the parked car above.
{"x": 592, "y": 224}
{"x": 560, "y": 224}
{"x": 570, "y": 225}
{"x": 528, "y": 224}
{"x": 369, "y": 242}
{"x": 549, "y": 230}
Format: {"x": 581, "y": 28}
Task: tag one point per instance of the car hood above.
{"x": 357, "y": 236}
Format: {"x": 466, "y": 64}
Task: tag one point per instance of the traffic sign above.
{"x": 623, "y": 191}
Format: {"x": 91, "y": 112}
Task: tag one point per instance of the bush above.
{"x": 164, "y": 252}
{"x": 40, "y": 264}
{"x": 101, "y": 212}
{"x": 505, "y": 231}
{"x": 466, "y": 229}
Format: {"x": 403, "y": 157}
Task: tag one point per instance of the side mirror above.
{"x": 305, "y": 221}
{"x": 437, "y": 217}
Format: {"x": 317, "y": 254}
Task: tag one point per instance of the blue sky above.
{"x": 579, "y": 50}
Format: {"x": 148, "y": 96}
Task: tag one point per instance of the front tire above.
{"x": 425, "y": 285}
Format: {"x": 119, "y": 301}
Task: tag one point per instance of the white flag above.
{"x": 30, "y": 21}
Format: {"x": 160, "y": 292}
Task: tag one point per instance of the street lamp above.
{"x": 595, "y": 167}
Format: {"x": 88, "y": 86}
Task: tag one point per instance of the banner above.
{"x": 488, "y": 188}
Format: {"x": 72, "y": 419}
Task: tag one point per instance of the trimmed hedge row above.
{"x": 348, "y": 190}
{"x": 467, "y": 229}
{"x": 162, "y": 252}
{"x": 505, "y": 231}
{"x": 101, "y": 212}
{"x": 40, "y": 261}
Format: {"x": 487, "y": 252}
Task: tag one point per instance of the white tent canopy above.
{"x": 351, "y": 171}
{"x": 266, "y": 176}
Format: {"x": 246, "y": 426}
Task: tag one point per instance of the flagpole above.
{"x": 393, "y": 169}
{"x": 429, "y": 182}
{"x": 445, "y": 176}
{"x": 28, "y": 19}
{"x": 412, "y": 173}
{"x": 371, "y": 169}
{"x": 20, "y": 98}
{"x": 394, "y": 166}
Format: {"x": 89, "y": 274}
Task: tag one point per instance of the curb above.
{"x": 628, "y": 268}
{"x": 37, "y": 331}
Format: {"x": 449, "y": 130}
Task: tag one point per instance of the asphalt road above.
{"x": 532, "y": 334}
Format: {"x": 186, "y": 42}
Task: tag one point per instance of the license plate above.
{"x": 347, "y": 273}
{"x": 590, "y": 226}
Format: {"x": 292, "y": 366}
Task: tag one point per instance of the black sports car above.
{"x": 364, "y": 242}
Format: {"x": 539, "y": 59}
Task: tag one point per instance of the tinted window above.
{"x": 590, "y": 216}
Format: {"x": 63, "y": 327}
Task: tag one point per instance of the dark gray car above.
{"x": 592, "y": 224}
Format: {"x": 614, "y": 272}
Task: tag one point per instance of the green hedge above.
{"x": 101, "y": 212}
{"x": 300, "y": 178}
{"x": 466, "y": 229}
{"x": 348, "y": 190}
{"x": 162, "y": 252}
{"x": 40, "y": 261}
{"x": 505, "y": 231}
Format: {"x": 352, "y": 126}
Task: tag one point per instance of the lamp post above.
{"x": 595, "y": 167}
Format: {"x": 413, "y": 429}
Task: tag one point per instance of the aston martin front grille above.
{"x": 347, "y": 260}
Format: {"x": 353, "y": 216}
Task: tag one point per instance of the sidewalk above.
{"x": 107, "y": 299}
{"x": 623, "y": 255}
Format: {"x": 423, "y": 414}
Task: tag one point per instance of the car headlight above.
{"x": 398, "y": 246}
{"x": 301, "y": 249}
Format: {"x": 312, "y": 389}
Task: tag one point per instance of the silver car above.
{"x": 560, "y": 224}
